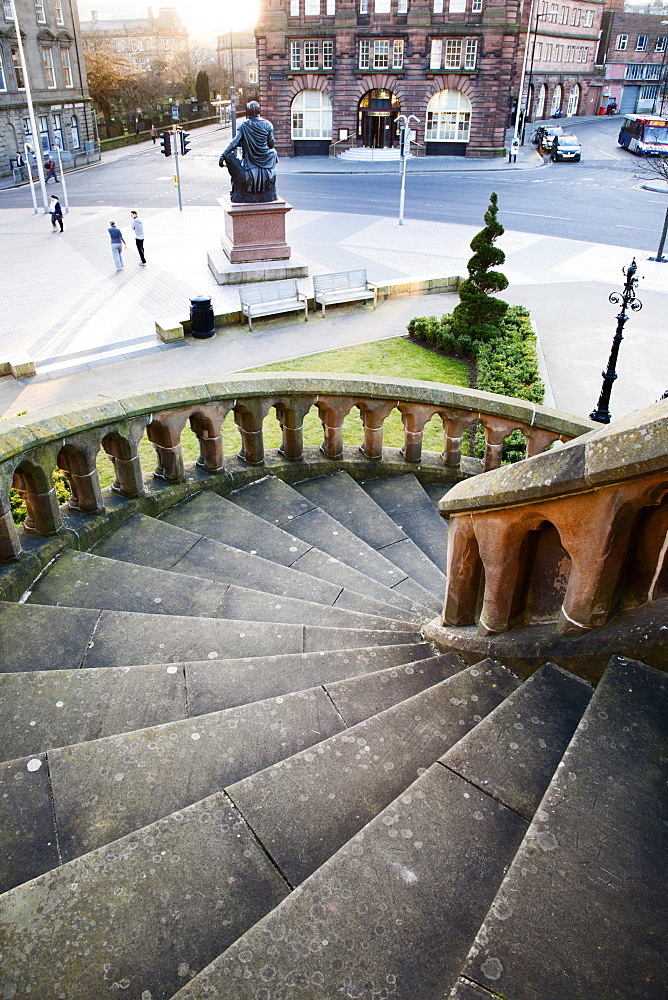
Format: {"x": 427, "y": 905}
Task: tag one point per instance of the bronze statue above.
{"x": 254, "y": 175}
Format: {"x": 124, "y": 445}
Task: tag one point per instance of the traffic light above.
{"x": 185, "y": 143}
{"x": 166, "y": 143}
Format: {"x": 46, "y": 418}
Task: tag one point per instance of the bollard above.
{"x": 201, "y": 317}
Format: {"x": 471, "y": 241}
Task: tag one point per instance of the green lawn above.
{"x": 386, "y": 358}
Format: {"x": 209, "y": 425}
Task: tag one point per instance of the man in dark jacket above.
{"x": 56, "y": 214}
{"x": 50, "y": 168}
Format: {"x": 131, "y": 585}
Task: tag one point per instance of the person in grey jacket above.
{"x": 117, "y": 244}
{"x": 138, "y": 229}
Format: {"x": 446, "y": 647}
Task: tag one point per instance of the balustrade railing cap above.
{"x": 633, "y": 446}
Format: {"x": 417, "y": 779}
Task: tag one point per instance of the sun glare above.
{"x": 215, "y": 17}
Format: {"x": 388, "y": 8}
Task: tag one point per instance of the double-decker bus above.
{"x": 645, "y": 135}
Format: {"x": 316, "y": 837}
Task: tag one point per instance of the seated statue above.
{"x": 254, "y": 175}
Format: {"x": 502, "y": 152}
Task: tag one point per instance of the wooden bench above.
{"x": 270, "y": 297}
{"x": 343, "y": 286}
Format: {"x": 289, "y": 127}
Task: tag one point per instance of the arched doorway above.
{"x": 311, "y": 123}
{"x": 540, "y": 103}
{"x": 573, "y": 101}
{"x": 376, "y": 118}
{"x": 556, "y": 99}
{"x": 448, "y": 124}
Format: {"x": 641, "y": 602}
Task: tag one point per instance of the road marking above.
{"x": 642, "y": 229}
{"x": 534, "y": 215}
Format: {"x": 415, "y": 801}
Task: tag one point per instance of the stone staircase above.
{"x": 233, "y": 768}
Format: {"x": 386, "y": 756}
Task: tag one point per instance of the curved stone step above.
{"x": 306, "y": 809}
{"x": 412, "y": 509}
{"x": 141, "y": 916}
{"x": 602, "y": 824}
{"x": 82, "y": 579}
{"x": 218, "y": 518}
{"x": 396, "y": 907}
{"x": 280, "y": 504}
{"x": 146, "y": 541}
{"x": 341, "y": 497}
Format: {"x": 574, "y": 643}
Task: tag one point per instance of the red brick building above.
{"x": 331, "y": 69}
{"x": 634, "y": 49}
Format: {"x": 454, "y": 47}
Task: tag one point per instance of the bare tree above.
{"x": 654, "y": 168}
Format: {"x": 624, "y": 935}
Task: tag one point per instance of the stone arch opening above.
{"x": 376, "y": 118}
{"x": 311, "y": 123}
{"x": 548, "y": 570}
{"x": 540, "y": 102}
{"x": 646, "y": 567}
{"x": 573, "y": 101}
{"x": 557, "y": 97}
{"x": 448, "y": 123}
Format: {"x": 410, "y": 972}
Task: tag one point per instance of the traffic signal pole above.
{"x": 177, "y": 176}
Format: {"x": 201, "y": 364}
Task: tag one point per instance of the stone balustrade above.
{"x": 577, "y": 534}
{"x": 33, "y": 446}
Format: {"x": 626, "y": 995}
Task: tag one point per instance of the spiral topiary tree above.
{"x": 479, "y": 313}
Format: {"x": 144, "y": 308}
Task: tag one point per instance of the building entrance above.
{"x": 376, "y": 120}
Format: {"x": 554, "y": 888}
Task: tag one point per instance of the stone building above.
{"x": 237, "y": 57}
{"x": 562, "y": 69}
{"x": 633, "y": 48}
{"x": 333, "y": 70}
{"x": 142, "y": 43}
{"x": 57, "y": 76}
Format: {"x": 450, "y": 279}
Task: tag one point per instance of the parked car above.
{"x": 565, "y": 147}
{"x": 544, "y": 135}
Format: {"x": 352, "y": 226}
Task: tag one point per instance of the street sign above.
{"x": 175, "y": 113}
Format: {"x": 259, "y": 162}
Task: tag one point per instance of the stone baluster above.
{"x": 537, "y": 440}
{"x": 121, "y": 450}
{"x": 333, "y": 411}
{"x": 414, "y": 416}
{"x": 249, "y": 416}
{"x": 39, "y": 494}
{"x": 10, "y": 546}
{"x": 206, "y": 424}
{"x": 496, "y": 431}
{"x": 503, "y": 544}
{"x": 290, "y": 414}
{"x": 374, "y": 415}
{"x": 164, "y": 433}
{"x": 79, "y": 466}
{"x": 464, "y": 573}
{"x": 456, "y": 423}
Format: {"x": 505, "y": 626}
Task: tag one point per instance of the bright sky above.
{"x": 205, "y": 19}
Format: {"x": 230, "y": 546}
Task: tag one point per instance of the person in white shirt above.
{"x": 138, "y": 229}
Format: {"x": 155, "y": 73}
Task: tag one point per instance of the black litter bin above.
{"x": 201, "y": 317}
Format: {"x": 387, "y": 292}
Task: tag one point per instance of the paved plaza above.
{"x": 88, "y": 327}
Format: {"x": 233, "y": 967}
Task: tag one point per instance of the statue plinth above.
{"x": 255, "y": 231}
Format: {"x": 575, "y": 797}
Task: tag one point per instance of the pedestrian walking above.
{"x": 117, "y": 244}
{"x": 138, "y": 229}
{"x": 154, "y": 134}
{"x": 21, "y": 166}
{"x": 56, "y": 214}
{"x": 50, "y": 168}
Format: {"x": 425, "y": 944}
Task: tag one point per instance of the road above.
{"x": 600, "y": 198}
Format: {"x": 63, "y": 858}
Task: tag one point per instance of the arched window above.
{"x": 573, "y": 100}
{"x": 448, "y": 117}
{"x": 540, "y": 103}
{"x": 74, "y": 132}
{"x": 311, "y": 115}
{"x": 556, "y": 99}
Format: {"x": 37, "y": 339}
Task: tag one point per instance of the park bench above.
{"x": 270, "y": 297}
{"x": 343, "y": 286}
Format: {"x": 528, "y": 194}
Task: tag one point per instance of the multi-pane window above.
{"x": 252, "y": 74}
{"x": 436, "y": 53}
{"x": 382, "y": 6}
{"x": 402, "y": 6}
{"x": 381, "y": 54}
{"x": 583, "y": 53}
{"x": 634, "y": 71}
{"x": 438, "y": 7}
{"x": 452, "y": 58}
{"x": 310, "y": 55}
{"x": 365, "y": 46}
{"x": 43, "y": 125}
{"x": 58, "y": 11}
{"x": 295, "y": 55}
{"x": 58, "y": 131}
{"x": 558, "y": 53}
{"x": 548, "y": 52}
{"x": 641, "y": 43}
{"x": 40, "y": 13}
{"x": 653, "y": 71}
{"x": 398, "y": 53}
{"x": 66, "y": 64}
{"x": 588, "y": 18}
{"x": 330, "y": 8}
{"x": 476, "y": 6}
{"x": 660, "y": 44}
{"x": 327, "y": 55}
{"x": 539, "y": 51}
{"x": 471, "y": 53}
{"x": 649, "y": 92}
{"x": 364, "y": 6}
{"x": 7, "y": 9}
{"x": 448, "y": 117}
{"x": 74, "y": 132}
{"x": 18, "y": 69}
{"x": 564, "y": 16}
{"x": 312, "y": 8}
{"x": 294, "y": 8}
{"x": 554, "y": 13}
{"x": 457, "y": 6}
{"x": 120, "y": 45}
{"x": 47, "y": 62}
{"x": 311, "y": 115}
{"x": 575, "y": 17}
{"x": 621, "y": 43}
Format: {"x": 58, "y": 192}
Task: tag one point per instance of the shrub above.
{"x": 479, "y": 313}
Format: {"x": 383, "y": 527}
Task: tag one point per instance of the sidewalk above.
{"x": 89, "y": 327}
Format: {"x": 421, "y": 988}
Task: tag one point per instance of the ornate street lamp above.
{"x": 628, "y": 300}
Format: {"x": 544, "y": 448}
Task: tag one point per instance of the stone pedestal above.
{"x": 255, "y": 232}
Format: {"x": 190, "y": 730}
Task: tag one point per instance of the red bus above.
{"x": 645, "y": 135}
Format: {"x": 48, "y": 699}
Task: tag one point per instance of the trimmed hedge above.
{"x": 507, "y": 364}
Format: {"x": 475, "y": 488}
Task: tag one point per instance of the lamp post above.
{"x": 515, "y": 141}
{"x": 627, "y": 299}
{"x": 404, "y": 150}
{"x": 31, "y": 110}
{"x": 533, "y": 54}
{"x": 662, "y": 82}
